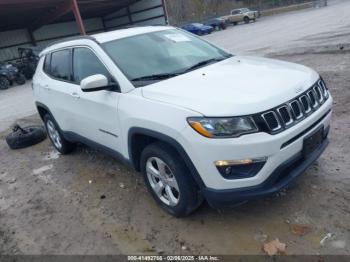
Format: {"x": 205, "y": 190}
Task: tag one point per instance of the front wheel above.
{"x": 59, "y": 142}
{"x": 246, "y": 20}
{"x": 168, "y": 180}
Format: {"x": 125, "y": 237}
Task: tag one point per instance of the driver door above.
{"x": 96, "y": 113}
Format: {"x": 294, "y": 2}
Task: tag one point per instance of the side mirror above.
{"x": 94, "y": 83}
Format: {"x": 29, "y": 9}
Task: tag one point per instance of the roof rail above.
{"x": 71, "y": 39}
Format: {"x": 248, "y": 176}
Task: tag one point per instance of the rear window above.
{"x": 61, "y": 65}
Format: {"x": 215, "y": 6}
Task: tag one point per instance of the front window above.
{"x": 86, "y": 63}
{"x": 151, "y": 57}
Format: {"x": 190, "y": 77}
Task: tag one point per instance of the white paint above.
{"x": 52, "y": 155}
{"x": 40, "y": 173}
{"x": 42, "y": 169}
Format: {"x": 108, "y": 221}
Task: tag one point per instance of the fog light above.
{"x": 238, "y": 169}
{"x": 239, "y": 162}
{"x": 228, "y": 170}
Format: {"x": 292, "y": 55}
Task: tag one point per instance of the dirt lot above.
{"x": 88, "y": 203}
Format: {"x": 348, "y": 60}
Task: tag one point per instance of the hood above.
{"x": 237, "y": 86}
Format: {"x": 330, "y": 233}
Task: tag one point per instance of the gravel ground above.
{"x": 88, "y": 203}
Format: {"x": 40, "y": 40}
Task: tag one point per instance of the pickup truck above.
{"x": 241, "y": 15}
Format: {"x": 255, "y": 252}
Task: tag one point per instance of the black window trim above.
{"x": 47, "y": 57}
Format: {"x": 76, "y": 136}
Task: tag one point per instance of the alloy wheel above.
{"x": 162, "y": 181}
{"x": 54, "y": 134}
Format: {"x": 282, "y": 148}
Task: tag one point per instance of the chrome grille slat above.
{"x": 307, "y": 108}
{"x": 295, "y": 113}
{"x": 313, "y": 99}
{"x": 290, "y": 121}
{"x": 297, "y": 109}
{"x": 269, "y": 122}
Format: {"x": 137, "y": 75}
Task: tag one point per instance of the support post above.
{"x": 78, "y": 19}
{"x": 31, "y": 37}
{"x": 165, "y": 10}
{"x": 129, "y": 15}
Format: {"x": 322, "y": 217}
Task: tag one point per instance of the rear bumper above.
{"x": 283, "y": 176}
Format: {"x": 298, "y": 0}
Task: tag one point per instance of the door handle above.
{"x": 75, "y": 95}
{"x": 46, "y": 87}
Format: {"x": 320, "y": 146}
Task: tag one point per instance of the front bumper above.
{"x": 283, "y": 176}
{"x": 278, "y": 149}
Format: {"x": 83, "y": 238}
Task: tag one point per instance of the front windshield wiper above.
{"x": 204, "y": 63}
{"x": 155, "y": 77}
{"x": 164, "y": 76}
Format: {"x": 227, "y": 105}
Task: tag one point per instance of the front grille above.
{"x": 286, "y": 115}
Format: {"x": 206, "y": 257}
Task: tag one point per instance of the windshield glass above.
{"x": 164, "y": 53}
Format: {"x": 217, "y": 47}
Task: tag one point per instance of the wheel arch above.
{"x": 139, "y": 138}
{"x": 42, "y": 110}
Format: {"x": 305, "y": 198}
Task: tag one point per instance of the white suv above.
{"x": 196, "y": 121}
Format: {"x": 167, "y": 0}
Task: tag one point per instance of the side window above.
{"x": 86, "y": 63}
{"x": 60, "y": 65}
{"x": 47, "y": 64}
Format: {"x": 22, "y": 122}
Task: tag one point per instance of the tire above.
{"x": 235, "y": 23}
{"x": 4, "y": 83}
{"x": 58, "y": 141}
{"x": 246, "y": 19}
{"x": 18, "y": 139}
{"x": 178, "y": 193}
{"x": 20, "y": 79}
{"x": 200, "y": 33}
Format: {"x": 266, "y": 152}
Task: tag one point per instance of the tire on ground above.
{"x": 18, "y": 139}
{"x": 190, "y": 198}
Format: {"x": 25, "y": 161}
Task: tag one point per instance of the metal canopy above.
{"x": 32, "y": 14}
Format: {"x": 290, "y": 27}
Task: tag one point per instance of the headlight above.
{"x": 223, "y": 127}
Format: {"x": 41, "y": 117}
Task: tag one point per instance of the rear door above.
{"x": 95, "y": 113}
{"x": 57, "y": 86}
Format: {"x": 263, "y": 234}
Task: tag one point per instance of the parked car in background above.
{"x": 216, "y": 23}
{"x": 241, "y": 15}
{"x": 198, "y": 29}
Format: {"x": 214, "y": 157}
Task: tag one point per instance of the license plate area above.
{"x": 313, "y": 141}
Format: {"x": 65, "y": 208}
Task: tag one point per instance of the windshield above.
{"x": 160, "y": 55}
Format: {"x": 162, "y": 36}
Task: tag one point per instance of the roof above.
{"x": 122, "y": 33}
{"x": 17, "y": 14}
{"x": 104, "y": 37}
